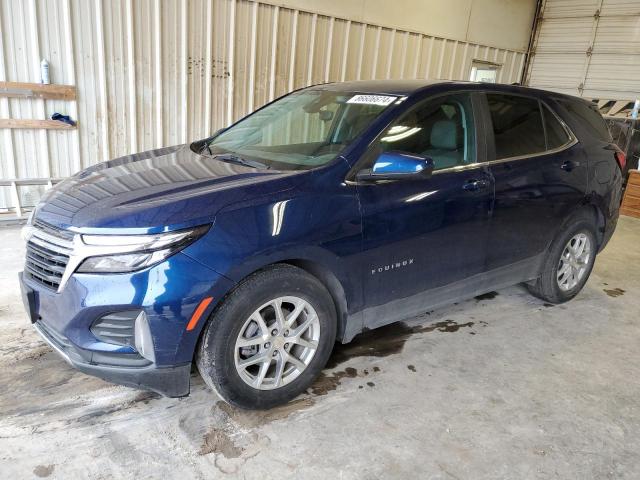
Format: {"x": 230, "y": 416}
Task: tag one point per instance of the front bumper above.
{"x": 168, "y": 381}
{"x": 168, "y": 294}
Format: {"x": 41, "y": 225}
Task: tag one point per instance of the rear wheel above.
{"x": 568, "y": 264}
{"x": 270, "y": 338}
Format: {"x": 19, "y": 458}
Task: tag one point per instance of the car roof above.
{"x": 411, "y": 87}
{"x": 391, "y": 87}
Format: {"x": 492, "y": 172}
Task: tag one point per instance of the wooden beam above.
{"x": 37, "y": 90}
{"x": 34, "y": 124}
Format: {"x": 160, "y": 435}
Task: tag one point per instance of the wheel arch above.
{"x": 321, "y": 272}
{"x": 590, "y": 210}
{"x": 595, "y": 211}
{"x": 587, "y": 209}
{"x": 331, "y": 282}
{"x": 600, "y": 224}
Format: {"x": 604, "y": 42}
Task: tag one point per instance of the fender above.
{"x": 344, "y": 286}
{"x": 319, "y": 231}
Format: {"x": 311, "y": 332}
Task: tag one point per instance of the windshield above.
{"x": 300, "y": 131}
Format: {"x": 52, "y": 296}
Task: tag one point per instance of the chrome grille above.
{"x": 48, "y": 251}
{"x": 54, "y": 231}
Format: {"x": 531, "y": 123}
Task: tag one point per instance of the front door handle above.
{"x": 474, "y": 185}
{"x": 569, "y": 165}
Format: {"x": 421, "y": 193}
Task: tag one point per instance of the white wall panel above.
{"x": 151, "y": 73}
{"x": 498, "y": 23}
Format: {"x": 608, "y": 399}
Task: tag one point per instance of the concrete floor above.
{"x": 501, "y": 387}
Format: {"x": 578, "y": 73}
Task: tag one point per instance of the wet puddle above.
{"x": 256, "y": 418}
{"x": 379, "y": 342}
{"x": 218, "y": 441}
{"x": 486, "y": 296}
{"x": 614, "y": 292}
{"x": 387, "y": 340}
{"x": 43, "y": 471}
{"x": 327, "y": 382}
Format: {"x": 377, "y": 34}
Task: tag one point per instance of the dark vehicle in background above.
{"x": 334, "y": 209}
{"x": 626, "y": 135}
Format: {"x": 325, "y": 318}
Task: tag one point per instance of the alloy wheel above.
{"x": 277, "y": 343}
{"x": 574, "y": 262}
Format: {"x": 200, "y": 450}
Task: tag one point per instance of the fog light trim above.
{"x": 143, "y": 339}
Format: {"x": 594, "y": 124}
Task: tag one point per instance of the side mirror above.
{"x": 199, "y": 144}
{"x": 397, "y": 166}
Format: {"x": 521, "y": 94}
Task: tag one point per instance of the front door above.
{"x": 425, "y": 239}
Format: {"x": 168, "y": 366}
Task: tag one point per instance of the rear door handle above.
{"x": 474, "y": 185}
{"x": 569, "y": 165}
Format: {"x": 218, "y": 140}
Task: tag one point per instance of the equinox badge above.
{"x": 392, "y": 266}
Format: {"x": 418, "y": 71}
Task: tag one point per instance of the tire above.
{"x": 221, "y": 359}
{"x": 551, "y": 287}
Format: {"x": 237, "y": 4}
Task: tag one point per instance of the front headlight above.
{"x": 128, "y": 253}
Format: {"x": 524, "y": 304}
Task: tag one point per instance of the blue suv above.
{"x": 332, "y": 210}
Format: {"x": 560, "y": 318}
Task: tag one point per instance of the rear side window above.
{"x": 557, "y": 135}
{"x": 590, "y": 117}
{"x": 517, "y": 125}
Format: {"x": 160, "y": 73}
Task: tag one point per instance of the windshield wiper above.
{"x": 231, "y": 158}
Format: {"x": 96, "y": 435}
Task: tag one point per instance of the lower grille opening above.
{"x": 116, "y": 328}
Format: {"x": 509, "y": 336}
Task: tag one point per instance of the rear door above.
{"x": 540, "y": 177}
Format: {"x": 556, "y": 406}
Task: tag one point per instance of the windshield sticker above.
{"x": 383, "y": 100}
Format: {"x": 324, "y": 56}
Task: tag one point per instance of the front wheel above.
{"x": 568, "y": 264}
{"x": 270, "y": 338}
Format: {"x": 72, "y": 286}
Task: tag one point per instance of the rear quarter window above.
{"x": 589, "y": 117}
{"x": 557, "y": 136}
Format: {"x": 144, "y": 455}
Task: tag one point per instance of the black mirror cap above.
{"x": 197, "y": 146}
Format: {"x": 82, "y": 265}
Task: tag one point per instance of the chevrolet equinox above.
{"x": 334, "y": 209}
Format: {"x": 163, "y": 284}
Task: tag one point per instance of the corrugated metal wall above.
{"x": 589, "y": 48}
{"x": 152, "y": 73}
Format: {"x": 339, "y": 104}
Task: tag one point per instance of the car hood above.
{"x": 153, "y": 191}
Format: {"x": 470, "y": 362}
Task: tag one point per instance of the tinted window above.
{"x": 557, "y": 136}
{"x": 440, "y": 128}
{"x": 590, "y": 117}
{"x": 517, "y": 125}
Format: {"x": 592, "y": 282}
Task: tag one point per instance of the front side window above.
{"x": 440, "y": 128}
{"x": 517, "y": 125}
{"x": 303, "y": 130}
